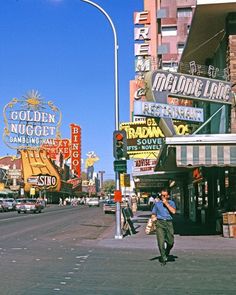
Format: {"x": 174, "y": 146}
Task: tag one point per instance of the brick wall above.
{"x": 232, "y": 70}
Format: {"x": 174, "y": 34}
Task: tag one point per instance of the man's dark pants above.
{"x": 164, "y": 233}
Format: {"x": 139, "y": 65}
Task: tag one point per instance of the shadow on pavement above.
{"x": 171, "y": 258}
{"x": 186, "y": 227}
{"x": 182, "y": 225}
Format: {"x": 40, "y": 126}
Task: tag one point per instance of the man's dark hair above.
{"x": 165, "y": 189}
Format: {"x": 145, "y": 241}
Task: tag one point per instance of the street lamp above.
{"x": 118, "y": 207}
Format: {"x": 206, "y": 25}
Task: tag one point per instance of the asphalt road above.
{"x": 61, "y": 251}
{"x": 41, "y": 253}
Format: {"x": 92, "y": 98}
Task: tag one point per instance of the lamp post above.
{"x": 118, "y": 207}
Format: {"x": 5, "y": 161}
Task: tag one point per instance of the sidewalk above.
{"x": 188, "y": 236}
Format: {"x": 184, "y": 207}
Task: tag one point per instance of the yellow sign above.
{"x": 147, "y": 137}
{"x": 2, "y": 186}
{"x": 125, "y": 180}
{"x": 32, "y": 191}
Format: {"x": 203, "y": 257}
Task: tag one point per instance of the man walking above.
{"x": 162, "y": 213}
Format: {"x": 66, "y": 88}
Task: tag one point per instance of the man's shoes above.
{"x": 167, "y": 251}
{"x": 163, "y": 260}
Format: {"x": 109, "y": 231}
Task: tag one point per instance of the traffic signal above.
{"x": 119, "y": 144}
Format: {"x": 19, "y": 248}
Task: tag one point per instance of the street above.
{"x": 69, "y": 250}
{"x": 39, "y": 252}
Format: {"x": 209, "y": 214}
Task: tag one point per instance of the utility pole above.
{"x": 101, "y": 179}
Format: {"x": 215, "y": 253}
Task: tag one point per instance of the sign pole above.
{"x": 117, "y": 181}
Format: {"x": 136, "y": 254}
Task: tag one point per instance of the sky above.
{"x": 65, "y": 50}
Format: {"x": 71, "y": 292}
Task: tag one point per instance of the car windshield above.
{"x": 26, "y": 201}
{"x": 111, "y": 203}
{"x": 30, "y": 201}
{"x": 18, "y": 200}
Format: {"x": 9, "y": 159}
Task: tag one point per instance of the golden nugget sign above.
{"x": 191, "y": 87}
{"x": 30, "y": 122}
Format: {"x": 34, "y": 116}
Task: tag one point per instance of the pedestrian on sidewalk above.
{"x": 151, "y": 202}
{"x": 134, "y": 205}
{"x": 162, "y": 213}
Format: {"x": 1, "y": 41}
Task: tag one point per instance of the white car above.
{"x": 93, "y": 202}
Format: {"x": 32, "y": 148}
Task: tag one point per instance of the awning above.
{"x": 206, "y": 155}
{"x": 166, "y": 161}
{"x": 207, "y": 150}
{"x": 207, "y": 29}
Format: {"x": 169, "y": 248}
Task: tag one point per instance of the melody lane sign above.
{"x": 191, "y": 87}
{"x": 161, "y": 110}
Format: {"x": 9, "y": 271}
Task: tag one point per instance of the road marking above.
{"x": 82, "y": 257}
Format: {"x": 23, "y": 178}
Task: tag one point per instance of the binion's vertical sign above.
{"x": 76, "y": 149}
{"x": 30, "y": 121}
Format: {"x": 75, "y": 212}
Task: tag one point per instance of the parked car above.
{"x": 4, "y": 205}
{"x": 29, "y": 205}
{"x": 1, "y": 206}
{"x": 109, "y": 206}
{"x": 9, "y": 204}
{"x": 93, "y": 202}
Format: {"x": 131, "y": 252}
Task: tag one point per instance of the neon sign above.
{"x": 30, "y": 122}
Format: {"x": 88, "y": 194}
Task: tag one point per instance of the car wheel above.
{"x": 18, "y": 212}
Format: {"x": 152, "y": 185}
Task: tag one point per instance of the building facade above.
{"x": 195, "y": 40}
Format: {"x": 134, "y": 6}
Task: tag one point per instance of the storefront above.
{"x": 207, "y": 162}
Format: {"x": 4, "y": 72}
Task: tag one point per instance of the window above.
{"x": 184, "y": 12}
{"x": 180, "y": 48}
{"x": 169, "y": 31}
{"x": 163, "y": 49}
{"x": 170, "y": 66}
{"x": 188, "y": 28}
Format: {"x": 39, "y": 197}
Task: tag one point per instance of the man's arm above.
{"x": 154, "y": 213}
{"x": 169, "y": 207}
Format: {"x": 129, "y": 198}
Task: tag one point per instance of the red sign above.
{"x": 117, "y": 196}
{"x": 56, "y": 147}
{"x": 76, "y": 149}
{"x": 76, "y": 182}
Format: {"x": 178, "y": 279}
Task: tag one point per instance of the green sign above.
{"x": 120, "y": 166}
